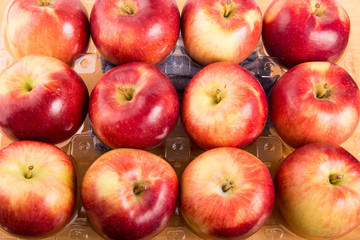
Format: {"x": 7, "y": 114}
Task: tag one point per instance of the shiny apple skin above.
{"x": 240, "y": 116}
{"x": 213, "y": 214}
{"x": 210, "y": 37}
{"x": 52, "y": 111}
{"x": 143, "y": 122}
{"x": 300, "y": 117}
{"x": 113, "y": 208}
{"x": 294, "y": 34}
{"x": 148, "y": 35}
{"x": 60, "y": 30}
{"x": 311, "y": 206}
{"x": 44, "y": 204}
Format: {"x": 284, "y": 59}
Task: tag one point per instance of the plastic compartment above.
{"x": 84, "y": 147}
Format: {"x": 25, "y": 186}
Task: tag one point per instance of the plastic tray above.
{"x": 84, "y": 147}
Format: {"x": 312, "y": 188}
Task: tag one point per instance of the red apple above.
{"x": 37, "y": 189}
{"x": 315, "y": 102}
{"x": 226, "y": 30}
{"x": 129, "y": 194}
{"x": 135, "y": 30}
{"x": 224, "y": 106}
{"x": 41, "y": 98}
{"x": 133, "y": 105}
{"x": 318, "y": 191}
{"x": 297, "y": 31}
{"x": 55, "y": 28}
{"x": 226, "y": 193}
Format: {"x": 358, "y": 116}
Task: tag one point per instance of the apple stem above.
{"x": 227, "y": 8}
{"x": 319, "y": 10}
{"x": 228, "y": 185}
{"x": 127, "y": 10}
{"x": 125, "y": 92}
{"x": 218, "y": 96}
{"x": 334, "y": 178}
{"x": 29, "y": 172}
{"x": 44, "y": 3}
{"x": 317, "y": 7}
{"x": 323, "y": 91}
{"x": 140, "y": 188}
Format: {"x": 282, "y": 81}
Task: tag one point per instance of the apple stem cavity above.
{"x": 227, "y": 186}
{"x": 27, "y": 85}
{"x": 317, "y": 7}
{"x": 44, "y": 3}
{"x": 218, "y": 96}
{"x": 335, "y": 178}
{"x": 127, "y": 92}
{"x": 140, "y": 188}
{"x": 28, "y": 174}
{"x": 319, "y": 11}
{"x": 128, "y": 9}
{"x": 323, "y": 91}
{"x": 228, "y": 9}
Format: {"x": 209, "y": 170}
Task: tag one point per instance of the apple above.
{"x": 42, "y": 99}
{"x": 315, "y": 102}
{"x": 297, "y": 31}
{"x": 226, "y": 193}
{"x": 37, "y": 189}
{"x": 215, "y": 31}
{"x": 133, "y": 105}
{"x": 135, "y": 30}
{"x": 223, "y": 106}
{"x": 129, "y": 194}
{"x": 318, "y": 191}
{"x": 55, "y": 28}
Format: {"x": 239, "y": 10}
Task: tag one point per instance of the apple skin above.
{"x": 42, "y": 99}
{"x": 311, "y": 205}
{"x": 43, "y": 204}
{"x": 300, "y": 116}
{"x": 238, "y": 118}
{"x": 294, "y": 34}
{"x": 233, "y": 214}
{"x": 211, "y": 37}
{"x": 142, "y": 122}
{"x": 108, "y": 194}
{"x": 60, "y": 30}
{"x": 147, "y": 35}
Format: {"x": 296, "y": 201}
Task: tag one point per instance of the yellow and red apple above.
{"x": 42, "y": 99}
{"x": 223, "y": 106}
{"x": 135, "y": 30}
{"x": 129, "y": 194}
{"x": 318, "y": 191}
{"x": 226, "y": 193}
{"x": 133, "y": 105}
{"x": 37, "y": 189}
{"x": 55, "y": 28}
{"x": 315, "y": 102}
{"x": 220, "y": 30}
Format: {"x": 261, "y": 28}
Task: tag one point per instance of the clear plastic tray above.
{"x": 84, "y": 147}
